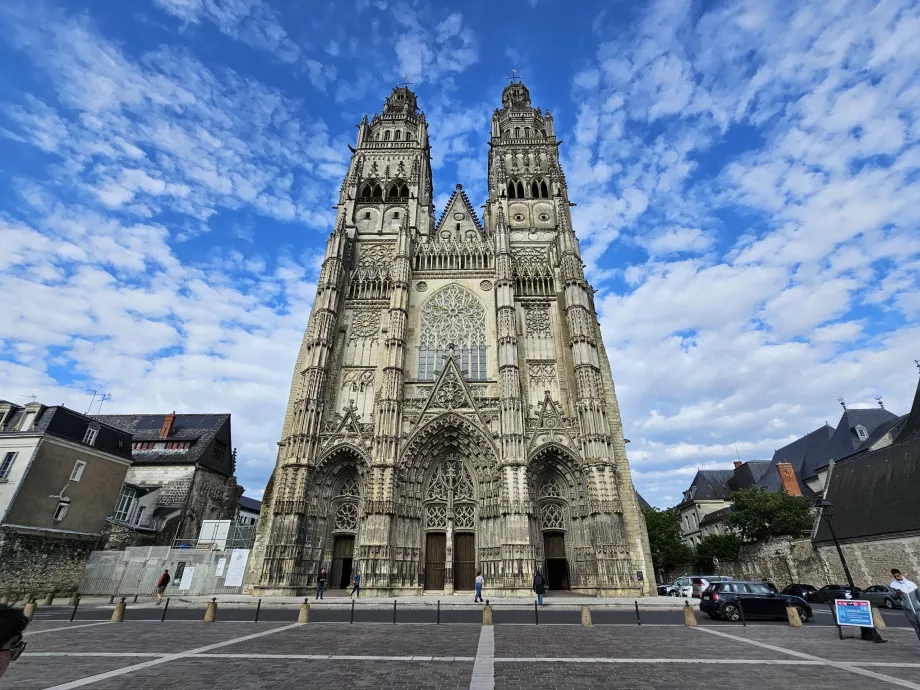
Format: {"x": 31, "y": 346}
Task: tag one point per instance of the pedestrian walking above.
{"x": 356, "y": 581}
{"x": 161, "y": 586}
{"x": 321, "y": 584}
{"x": 12, "y": 624}
{"x": 907, "y": 593}
{"x": 479, "y": 582}
{"x": 539, "y": 586}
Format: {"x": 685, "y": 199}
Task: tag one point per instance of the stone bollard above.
{"x": 792, "y": 614}
{"x": 689, "y": 615}
{"x": 29, "y": 609}
{"x": 49, "y": 599}
{"x": 74, "y": 599}
{"x": 304, "y": 616}
{"x": 586, "y": 616}
{"x": 487, "y": 614}
{"x": 30, "y": 597}
{"x": 210, "y": 615}
{"x": 118, "y": 615}
{"x": 877, "y": 619}
{"x": 4, "y": 598}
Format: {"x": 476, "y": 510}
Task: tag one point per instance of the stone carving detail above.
{"x": 374, "y": 261}
{"x": 365, "y": 323}
{"x": 530, "y": 262}
{"x": 350, "y": 487}
{"x": 436, "y": 516}
{"x": 453, "y": 316}
{"x": 550, "y": 489}
{"x": 485, "y": 285}
{"x": 346, "y": 517}
{"x": 421, "y": 286}
{"x": 464, "y": 516}
{"x": 536, "y": 319}
{"x": 542, "y": 373}
{"x": 440, "y": 485}
{"x": 552, "y": 516}
{"x": 358, "y": 380}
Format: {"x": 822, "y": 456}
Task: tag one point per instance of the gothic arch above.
{"x": 452, "y": 323}
{"x": 344, "y": 447}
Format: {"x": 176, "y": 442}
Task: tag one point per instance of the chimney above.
{"x": 168, "y": 422}
{"x": 787, "y": 478}
{"x": 738, "y": 464}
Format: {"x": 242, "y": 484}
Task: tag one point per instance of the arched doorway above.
{"x": 557, "y": 491}
{"x": 449, "y": 491}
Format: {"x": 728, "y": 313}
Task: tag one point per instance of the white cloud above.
{"x": 253, "y": 22}
{"x": 426, "y": 53}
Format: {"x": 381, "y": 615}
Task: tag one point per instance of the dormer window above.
{"x": 861, "y": 432}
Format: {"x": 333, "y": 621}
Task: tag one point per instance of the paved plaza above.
{"x": 191, "y": 655}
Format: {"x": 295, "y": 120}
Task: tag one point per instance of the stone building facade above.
{"x": 182, "y": 474}
{"x": 452, "y": 408}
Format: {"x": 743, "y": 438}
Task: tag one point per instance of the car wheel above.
{"x": 889, "y": 604}
{"x": 803, "y": 613}
{"x": 730, "y": 612}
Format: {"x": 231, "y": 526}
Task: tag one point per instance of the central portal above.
{"x": 343, "y": 552}
{"x": 557, "y": 566}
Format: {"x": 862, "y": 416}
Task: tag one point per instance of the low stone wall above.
{"x": 784, "y": 561}
{"x": 39, "y": 564}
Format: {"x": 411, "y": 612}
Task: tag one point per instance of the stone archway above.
{"x": 559, "y": 529}
{"x": 448, "y": 488}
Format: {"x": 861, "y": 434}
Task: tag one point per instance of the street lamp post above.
{"x": 824, "y": 509}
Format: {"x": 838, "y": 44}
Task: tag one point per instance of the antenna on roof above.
{"x": 90, "y": 406}
{"x": 32, "y": 398}
{"x": 736, "y": 450}
{"x": 917, "y": 362}
{"x": 881, "y": 403}
{"x": 105, "y": 396}
{"x": 843, "y": 403}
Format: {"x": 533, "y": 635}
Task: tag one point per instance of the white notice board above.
{"x": 237, "y": 567}
{"x": 187, "y": 576}
{"x": 221, "y": 564}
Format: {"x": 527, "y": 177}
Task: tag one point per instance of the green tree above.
{"x": 758, "y": 514}
{"x": 668, "y": 551}
{"x": 725, "y": 547}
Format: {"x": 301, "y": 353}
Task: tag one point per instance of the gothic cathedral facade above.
{"x": 452, "y": 408}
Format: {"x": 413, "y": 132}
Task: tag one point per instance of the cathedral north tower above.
{"x": 452, "y": 408}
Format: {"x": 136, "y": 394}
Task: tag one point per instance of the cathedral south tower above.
{"x": 452, "y": 408}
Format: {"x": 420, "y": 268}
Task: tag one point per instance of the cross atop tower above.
{"x": 405, "y": 83}
{"x": 514, "y": 75}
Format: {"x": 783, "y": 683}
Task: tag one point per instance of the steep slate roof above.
{"x": 715, "y": 516}
{"x": 845, "y": 442}
{"x": 201, "y": 429}
{"x": 810, "y": 448}
{"x": 643, "y": 504}
{"x": 711, "y": 484}
{"x": 459, "y": 196}
{"x": 748, "y": 474}
{"x": 250, "y": 504}
{"x": 875, "y": 492}
{"x": 893, "y": 425}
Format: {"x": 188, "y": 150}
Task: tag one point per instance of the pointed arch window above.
{"x": 398, "y": 135}
{"x": 453, "y": 324}
{"x": 535, "y": 190}
{"x": 517, "y": 132}
{"x": 527, "y": 132}
{"x": 520, "y": 189}
{"x": 512, "y": 190}
{"x": 544, "y": 189}
{"x": 386, "y": 135}
{"x": 377, "y": 192}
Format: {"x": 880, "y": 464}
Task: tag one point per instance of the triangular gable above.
{"x": 549, "y": 416}
{"x": 349, "y": 424}
{"x": 450, "y": 391}
{"x": 459, "y": 203}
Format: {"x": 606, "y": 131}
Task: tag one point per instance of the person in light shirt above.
{"x": 907, "y": 593}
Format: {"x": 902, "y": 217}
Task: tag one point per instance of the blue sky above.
{"x": 746, "y": 175}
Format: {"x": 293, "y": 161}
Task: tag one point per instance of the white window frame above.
{"x": 89, "y": 438}
{"x": 862, "y": 433}
{"x": 61, "y": 511}
{"x": 124, "y": 507}
{"x": 77, "y": 471}
{"x": 6, "y": 465}
{"x": 28, "y": 420}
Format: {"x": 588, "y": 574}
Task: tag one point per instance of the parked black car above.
{"x": 728, "y": 599}
{"x": 803, "y": 591}
{"x": 828, "y": 593}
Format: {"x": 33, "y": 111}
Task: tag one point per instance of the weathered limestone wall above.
{"x": 785, "y": 561}
{"x": 38, "y": 564}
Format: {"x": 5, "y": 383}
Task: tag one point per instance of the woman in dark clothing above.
{"x": 539, "y": 586}
{"x": 321, "y": 584}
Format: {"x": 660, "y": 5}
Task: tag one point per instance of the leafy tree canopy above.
{"x": 664, "y": 539}
{"x": 725, "y": 547}
{"x": 758, "y": 514}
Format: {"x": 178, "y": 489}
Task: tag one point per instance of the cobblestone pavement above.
{"x": 233, "y": 655}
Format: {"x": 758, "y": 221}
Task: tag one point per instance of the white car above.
{"x": 683, "y": 586}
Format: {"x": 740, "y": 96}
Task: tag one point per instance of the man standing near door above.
{"x": 356, "y": 581}
{"x": 539, "y": 586}
{"x": 479, "y": 582}
{"x": 321, "y": 583}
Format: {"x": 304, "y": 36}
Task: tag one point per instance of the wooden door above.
{"x": 435, "y": 557}
{"x": 464, "y": 560}
{"x": 343, "y": 550}
{"x": 557, "y": 567}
